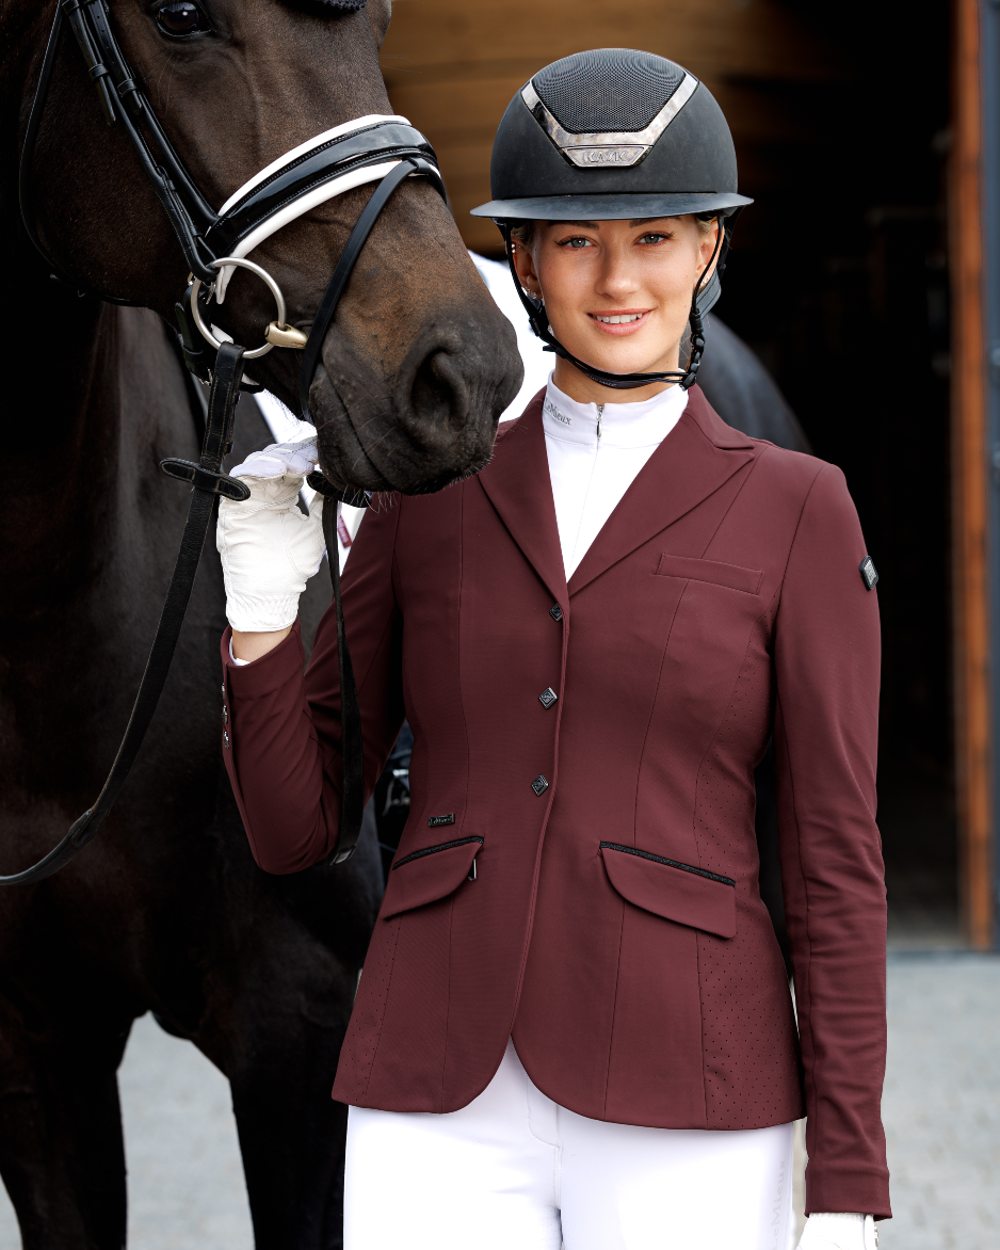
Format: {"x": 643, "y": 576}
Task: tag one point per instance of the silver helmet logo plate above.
{"x": 613, "y": 147}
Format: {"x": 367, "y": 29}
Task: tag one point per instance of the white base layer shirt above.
{"x": 594, "y": 453}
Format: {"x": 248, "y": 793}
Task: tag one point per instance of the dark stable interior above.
{"x": 839, "y": 281}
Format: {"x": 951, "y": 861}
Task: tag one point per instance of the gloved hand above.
{"x": 269, "y": 548}
{"x": 839, "y": 1231}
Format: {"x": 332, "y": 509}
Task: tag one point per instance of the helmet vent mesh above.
{"x": 607, "y": 90}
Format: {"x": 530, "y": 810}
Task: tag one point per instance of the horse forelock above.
{"x": 324, "y": 6}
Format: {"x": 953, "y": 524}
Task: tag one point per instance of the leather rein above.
{"x": 381, "y": 149}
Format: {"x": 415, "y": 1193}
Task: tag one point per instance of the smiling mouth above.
{"x": 620, "y": 322}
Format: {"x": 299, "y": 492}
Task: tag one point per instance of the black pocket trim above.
{"x": 431, "y": 850}
{"x": 672, "y": 863}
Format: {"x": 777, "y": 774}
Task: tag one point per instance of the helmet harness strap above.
{"x": 685, "y": 378}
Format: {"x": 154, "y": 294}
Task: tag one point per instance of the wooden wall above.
{"x": 452, "y": 66}
{"x": 973, "y": 643}
{"x": 839, "y": 280}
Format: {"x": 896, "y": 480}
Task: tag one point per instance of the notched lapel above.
{"x": 698, "y": 456}
{"x": 517, "y": 484}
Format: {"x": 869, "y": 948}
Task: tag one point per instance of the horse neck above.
{"x": 79, "y": 449}
{"x": 23, "y": 31}
{"x": 24, "y": 28}
{"x": 104, "y": 400}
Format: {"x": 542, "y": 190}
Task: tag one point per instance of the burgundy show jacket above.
{"x": 579, "y": 869}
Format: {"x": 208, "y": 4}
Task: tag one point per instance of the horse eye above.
{"x": 179, "y": 19}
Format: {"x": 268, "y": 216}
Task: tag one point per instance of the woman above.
{"x": 574, "y": 1025}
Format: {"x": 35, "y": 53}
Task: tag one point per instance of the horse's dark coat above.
{"x": 165, "y": 911}
{"x": 743, "y": 392}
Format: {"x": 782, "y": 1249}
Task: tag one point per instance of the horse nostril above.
{"x": 440, "y": 388}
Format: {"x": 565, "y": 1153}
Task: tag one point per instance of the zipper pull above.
{"x": 600, "y": 414}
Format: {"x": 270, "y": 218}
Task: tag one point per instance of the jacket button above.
{"x": 225, "y": 714}
{"x": 556, "y": 612}
{"x": 540, "y": 785}
{"x": 547, "y": 698}
{"x": 225, "y": 739}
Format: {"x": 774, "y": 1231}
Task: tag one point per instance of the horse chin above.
{"x": 353, "y": 462}
{"x": 414, "y": 434}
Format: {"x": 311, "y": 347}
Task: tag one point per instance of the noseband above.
{"x": 375, "y": 149}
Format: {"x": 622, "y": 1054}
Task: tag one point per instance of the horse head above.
{"x": 417, "y": 365}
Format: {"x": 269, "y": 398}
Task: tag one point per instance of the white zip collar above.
{"x": 640, "y": 423}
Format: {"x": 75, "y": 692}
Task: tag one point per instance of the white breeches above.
{"x": 515, "y": 1171}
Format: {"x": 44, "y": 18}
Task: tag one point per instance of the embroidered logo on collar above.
{"x": 868, "y": 572}
{"x": 552, "y": 411}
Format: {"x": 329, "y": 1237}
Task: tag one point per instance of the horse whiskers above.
{"x": 382, "y": 500}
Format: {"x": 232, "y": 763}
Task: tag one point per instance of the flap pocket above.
{"x": 675, "y": 891}
{"x": 429, "y": 874}
{"x": 732, "y": 575}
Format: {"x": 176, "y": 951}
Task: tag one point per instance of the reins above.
{"x": 208, "y": 483}
{"x": 381, "y": 149}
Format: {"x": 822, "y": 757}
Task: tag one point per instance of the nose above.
{"x": 618, "y": 276}
{"x": 417, "y": 423}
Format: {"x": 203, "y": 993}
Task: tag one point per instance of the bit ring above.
{"x": 268, "y": 281}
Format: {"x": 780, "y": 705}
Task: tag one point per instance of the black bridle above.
{"x": 379, "y": 149}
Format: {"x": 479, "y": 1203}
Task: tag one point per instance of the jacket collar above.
{"x": 700, "y": 455}
{"x": 517, "y": 483}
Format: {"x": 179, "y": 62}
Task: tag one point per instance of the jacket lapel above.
{"x": 517, "y": 484}
{"x": 697, "y": 457}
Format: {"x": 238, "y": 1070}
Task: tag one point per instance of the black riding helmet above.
{"x": 614, "y": 134}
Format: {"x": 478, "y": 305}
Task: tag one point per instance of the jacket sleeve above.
{"x": 827, "y": 655}
{"x": 281, "y": 737}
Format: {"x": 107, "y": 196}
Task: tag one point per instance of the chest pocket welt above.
{"x": 734, "y": 576}
{"x": 429, "y": 874}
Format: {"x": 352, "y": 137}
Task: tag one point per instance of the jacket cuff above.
{"x": 841, "y": 1189}
{"x": 269, "y": 673}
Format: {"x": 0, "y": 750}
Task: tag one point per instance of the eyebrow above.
{"x": 594, "y": 225}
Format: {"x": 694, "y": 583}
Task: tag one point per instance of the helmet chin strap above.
{"x": 684, "y": 378}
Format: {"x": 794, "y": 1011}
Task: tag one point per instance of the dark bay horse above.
{"x": 165, "y": 910}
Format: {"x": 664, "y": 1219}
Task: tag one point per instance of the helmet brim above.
{"x": 610, "y": 207}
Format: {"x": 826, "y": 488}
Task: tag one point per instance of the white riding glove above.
{"x": 839, "y": 1231}
{"x": 269, "y": 548}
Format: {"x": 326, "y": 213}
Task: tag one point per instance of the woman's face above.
{"x": 617, "y": 294}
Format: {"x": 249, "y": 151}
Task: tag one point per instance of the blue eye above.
{"x": 575, "y": 243}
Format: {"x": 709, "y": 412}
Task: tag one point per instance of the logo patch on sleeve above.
{"x": 868, "y": 572}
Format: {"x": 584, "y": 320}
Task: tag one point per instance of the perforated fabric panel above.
{"x": 747, "y": 1021}
{"x": 609, "y": 89}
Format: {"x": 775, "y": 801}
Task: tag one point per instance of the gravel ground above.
{"x": 941, "y": 1110}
